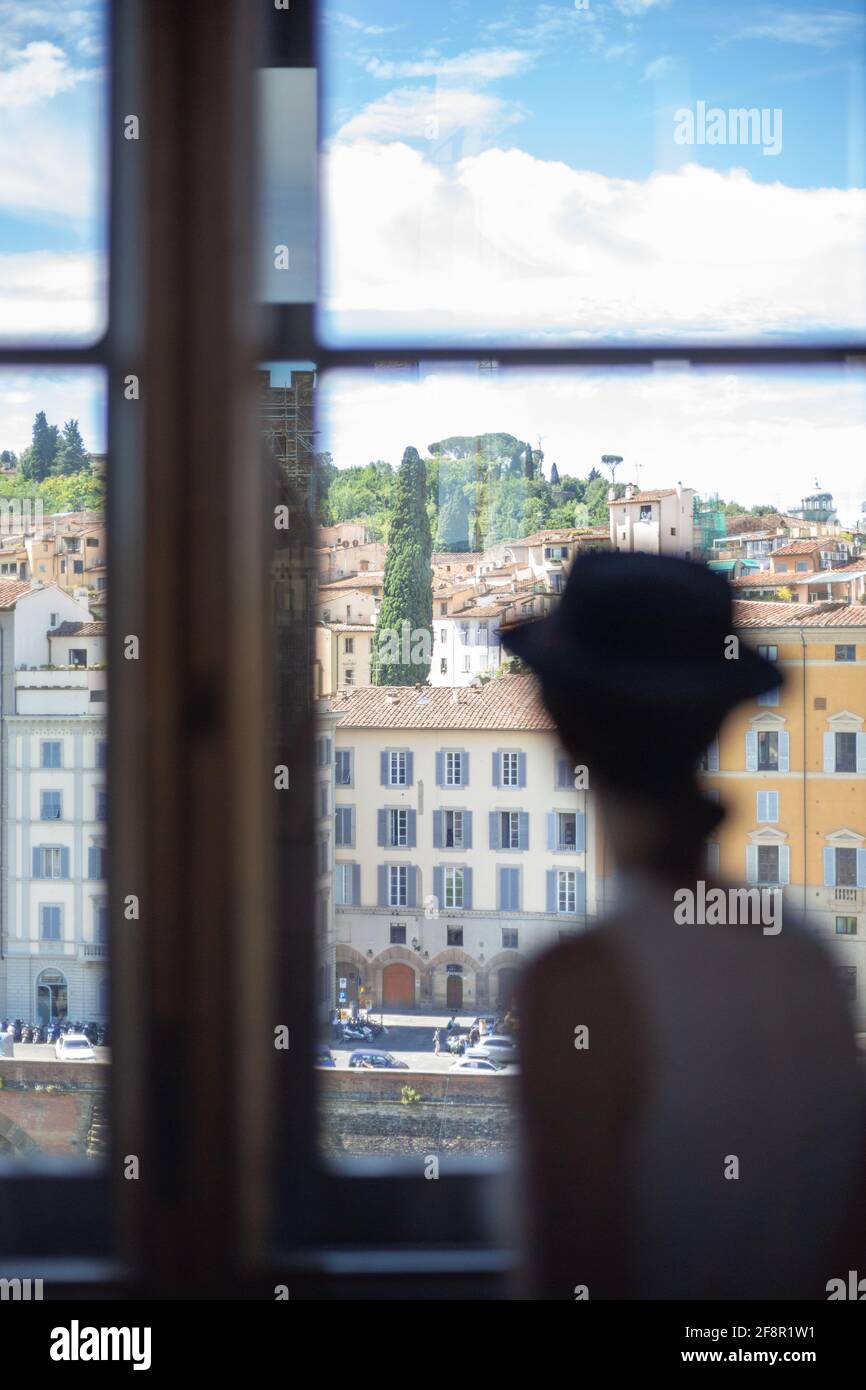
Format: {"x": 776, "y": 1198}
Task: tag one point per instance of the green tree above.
{"x": 71, "y": 456}
{"x": 554, "y": 475}
{"x": 8, "y": 458}
{"x": 403, "y": 640}
{"x": 37, "y": 459}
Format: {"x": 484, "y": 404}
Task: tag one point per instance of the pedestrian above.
{"x": 437, "y": 1039}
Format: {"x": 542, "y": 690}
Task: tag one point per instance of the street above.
{"x": 409, "y": 1038}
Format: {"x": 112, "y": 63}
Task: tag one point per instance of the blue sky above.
{"x": 517, "y": 171}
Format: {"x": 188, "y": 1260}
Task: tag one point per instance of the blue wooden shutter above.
{"x": 580, "y": 832}
{"x": 523, "y": 827}
{"x": 762, "y": 806}
{"x": 784, "y": 755}
{"x": 580, "y": 892}
{"x": 829, "y": 867}
{"x": 409, "y": 769}
{"x": 411, "y": 829}
{"x": 494, "y": 828}
{"x": 440, "y": 769}
{"x": 467, "y": 829}
{"x": 564, "y": 773}
{"x": 861, "y": 868}
{"x": 37, "y": 863}
{"x": 381, "y": 827}
{"x": 551, "y": 890}
{"x": 829, "y": 752}
{"x": 437, "y": 828}
{"x": 773, "y": 806}
{"x": 860, "y": 741}
{"x": 356, "y": 885}
{"x": 439, "y": 885}
{"x": 64, "y": 863}
{"x": 467, "y": 888}
{"x": 497, "y": 774}
{"x": 784, "y": 864}
{"x": 383, "y": 768}
{"x": 521, "y": 769}
{"x": 551, "y": 829}
{"x": 464, "y": 769}
{"x": 751, "y": 751}
{"x": 751, "y": 863}
{"x": 411, "y": 885}
{"x": 382, "y": 876}
{"x": 514, "y": 889}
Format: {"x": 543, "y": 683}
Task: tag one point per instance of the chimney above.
{"x": 630, "y": 489}
{"x": 611, "y": 493}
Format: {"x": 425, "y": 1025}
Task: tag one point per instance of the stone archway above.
{"x": 501, "y": 976}
{"x": 354, "y": 968}
{"x": 397, "y": 961}
{"x": 444, "y": 991}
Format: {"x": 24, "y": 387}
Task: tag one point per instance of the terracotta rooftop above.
{"x": 839, "y": 571}
{"x": 809, "y": 545}
{"x": 369, "y": 579}
{"x": 11, "y": 591}
{"x": 506, "y": 702}
{"x": 654, "y": 495}
{"x": 96, "y": 629}
{"x": 761, "y": 579}
{"x": 767, "y": 615}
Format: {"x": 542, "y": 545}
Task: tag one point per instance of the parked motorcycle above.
{"x": 357, "y": 1032}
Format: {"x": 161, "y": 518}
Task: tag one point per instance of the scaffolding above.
{"x": 709, "y": 523}
{"x": 286, "y": 416}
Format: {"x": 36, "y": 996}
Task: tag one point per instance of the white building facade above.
{"x": 461, "y": 844}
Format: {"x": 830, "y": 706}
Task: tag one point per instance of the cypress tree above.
{"x": 71, "y": 456}
{"x": 402, "y": 642}
{"x": 42, "y": 451}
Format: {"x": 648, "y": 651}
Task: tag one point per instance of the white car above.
{"x": 73, "y": 1047}
{"x": 475, "y": 1064}
{"x": 494, "y": 1050}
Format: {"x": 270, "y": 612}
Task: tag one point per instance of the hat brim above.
{"x": 561, "y": 662}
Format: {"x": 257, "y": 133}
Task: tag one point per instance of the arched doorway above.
{"x": 454, "y": 987}
{"x": 398, "y": 986}
{"x": 52, "y": 998}
{"x": 506, "y": 987}
{"x": 348, "y": 984}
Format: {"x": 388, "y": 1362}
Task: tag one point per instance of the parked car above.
{"x": 494, "y": 1049}
{"x": 324, "y": 1057}
{"x": 485, "y": 1023}
{"x": 476, "y": 1065}
{"x": 74, "y": 1047}
{"x": 369, "y": 1057}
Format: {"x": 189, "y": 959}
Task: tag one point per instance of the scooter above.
{"x": 357, "y": 1032}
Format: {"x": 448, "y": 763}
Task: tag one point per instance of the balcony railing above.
{"x": 845, "y": 895}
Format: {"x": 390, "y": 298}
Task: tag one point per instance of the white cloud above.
{"x": 659, "y": 67}
{"x": 638, "y": 7}
{"x": 415, "y": 113}
{"x": 358, "y": 26}
{"x": 36, "y": 73}
{"x": 821, "y": 28}
{"x": 51, "y": 296}
{"x": 481, "y": 65}
{"x": 506, "y": 244}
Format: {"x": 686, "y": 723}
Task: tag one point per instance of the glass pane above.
{"x": 592, "y": 173}
{"x": 53, "y": 153}
{"x": 54, "y": 996}
{"x": 451, "y": 840}
{"x": 287, "y": 265}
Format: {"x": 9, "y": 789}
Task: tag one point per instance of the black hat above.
{"x": 647, "y": 629}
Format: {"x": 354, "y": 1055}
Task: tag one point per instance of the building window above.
{"x": 343, "y": 767}
{"x": 52, "y": 753}
{"x": 51, "y": 805}
{"x": 453, "y": 884}
{"x": 453, "y": 827}
{"x": 398, "y": 934}
{"x": 509, "y": 829}
{"x": 845, "y": 653}
{"x": 349, "y": 675}
{"x": 443, "y": 635}
{"x": 398, "y": 885}
{"x": 454, "y": 936}
{"x": 467, "y": 664}
{"x": 101, "y": 804}
{"x": 846, "y": 752}
{"x": 566, "y": 830}
{"x": 443, "y": 666}
{"x": 846, "y": 868}
{"x": 768, "y": 750}
{"x": 510, "y": 938}
{"x": 349, "y": 646}
{"x": 50, "y": 861}
{"x": 101, "y": 753}
{"x": 398, "y": 828}
{"x": 343, "y": 826}
{"x": 646, "y": 513}
{"x": 397, "y": 769}
{"x": 50, "y": 920}
{"x": 96, "y": 862}
{"x": 768, "y": 864}
{"x": 454, "y": 769}
{"x": 344, "y": 884}
{"x": 566, "y": 891}
{"x": 510, "y": 769}
{"x": 77, "y": 656}
{"x": 846, "y": 926}
{"x": 768, "y": 807}
{"x": 100, "y": 923}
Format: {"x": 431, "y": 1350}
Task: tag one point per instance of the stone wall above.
{"x": 362, "y": 1113}
{"x": 57, "y": 1108}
